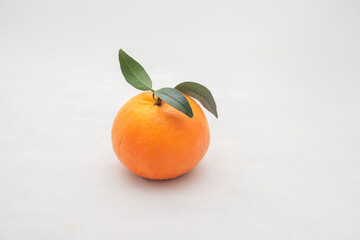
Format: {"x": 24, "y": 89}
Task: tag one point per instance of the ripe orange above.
{"x": 159, "y": 142}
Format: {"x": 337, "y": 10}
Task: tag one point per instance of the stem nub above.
{"x": 157, "y": 100}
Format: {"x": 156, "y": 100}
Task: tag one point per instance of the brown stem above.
{"x": 158, "y": 102}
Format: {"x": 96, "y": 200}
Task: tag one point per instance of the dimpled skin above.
{"x": 159, "y": 142}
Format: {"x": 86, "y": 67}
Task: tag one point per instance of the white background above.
{"x": 284, "y": 158}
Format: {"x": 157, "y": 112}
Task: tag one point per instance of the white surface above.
{"x": 284, "y": 158}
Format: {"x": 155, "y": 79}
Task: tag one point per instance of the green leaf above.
{"x": 133, "y": 72}
{"x": 175, "y": 99}
{"x": 201, "y": 93}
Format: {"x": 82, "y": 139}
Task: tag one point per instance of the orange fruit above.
{"x": 159, "y": 142}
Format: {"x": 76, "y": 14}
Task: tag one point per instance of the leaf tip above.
{"x": 190, "y": 115}
{"x": 121, "y": 52}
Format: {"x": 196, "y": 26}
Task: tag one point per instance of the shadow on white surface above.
{"x": 183, "y": 181}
